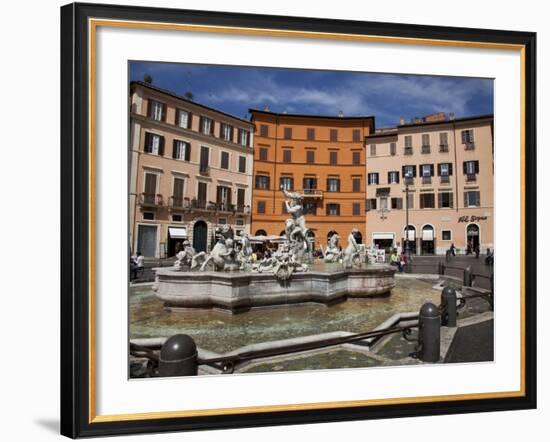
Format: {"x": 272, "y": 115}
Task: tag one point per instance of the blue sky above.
{"x": 235, "y": 89}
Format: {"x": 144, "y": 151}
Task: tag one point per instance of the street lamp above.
{"x": 408, "y": 180}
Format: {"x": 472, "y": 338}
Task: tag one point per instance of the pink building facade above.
{"x": 450, "y": 164}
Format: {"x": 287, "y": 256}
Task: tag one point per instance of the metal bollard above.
{"x": 178, "y": 356}
{"x": 440, "y": 268}
{"x": 429, "y": 333}
{"x": 448, "y": 302}
{"x": 468, "y": 276}
{"x": 448, "y": 256}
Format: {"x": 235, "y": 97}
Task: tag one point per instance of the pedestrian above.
{"x": 453, "y": 249}
{"x": 133, "y": 269}
{"x": 139, "y": 262}
{"x": 477, "y": 251}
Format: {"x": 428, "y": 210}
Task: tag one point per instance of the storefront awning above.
{"x": 383, "y": 235}
{"x": 177, "y": 232}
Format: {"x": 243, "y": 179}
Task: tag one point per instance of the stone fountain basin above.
{"x": 241, "y": 291}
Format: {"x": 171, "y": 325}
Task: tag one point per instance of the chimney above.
{"x": 340, "y": 114}
{"x": 401, "y": 121}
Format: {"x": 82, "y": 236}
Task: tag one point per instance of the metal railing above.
{"x": 150, "y": 200}
{"x": 426, "y": 149}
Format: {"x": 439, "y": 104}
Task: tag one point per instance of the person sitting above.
{"x": 395, "y": 260}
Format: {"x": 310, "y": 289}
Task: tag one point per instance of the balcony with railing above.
{"x": 178, "y": 203}
{"x": 443, "y": 148}
{"x": 427, "y": 180}
{"x": 150, "y": 200}
{"x": 204, "y": 170}
{"x": 312, "y": 193}
{"x": 469, "y": 146}
{"x": 426, "y": 148}
{"x": 471, "y": 178}
{"x": 408, "y": 150}
{"x": 445, "y": 179}
{"x": 243, "y": 210}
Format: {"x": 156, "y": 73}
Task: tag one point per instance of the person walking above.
{"x": 453, "y": 249}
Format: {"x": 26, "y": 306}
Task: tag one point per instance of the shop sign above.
{"x": 471, "y": 219}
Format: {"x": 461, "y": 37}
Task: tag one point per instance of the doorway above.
{"x": 472, "y": 237}
{"x": 147, "y": 240}
{"x": 427, "y": 245}
{"x": 200, "y": 236}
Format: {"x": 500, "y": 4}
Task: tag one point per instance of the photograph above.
{"x": 302, "y": 219}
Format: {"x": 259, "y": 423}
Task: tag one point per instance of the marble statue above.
{"x": 352, "y": 253}
{"x": 333, "y": 252}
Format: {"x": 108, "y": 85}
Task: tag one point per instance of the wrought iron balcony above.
{"x": 445, "y": 179}
{"x": 204, "y": 170}
{"x": 178, "y": 203}
{"x": 443, "y": 148}
{"x": 426, "y": 149}
{"x": 469, "y": 146}
{"x": 242, "y": 209}
{"x": 471, "y": 177}
{"x": 312, "y": 193}
{"x": 426, "y": 180}
{"x": 150, "y": 200}
{"x": 408, "y": 151}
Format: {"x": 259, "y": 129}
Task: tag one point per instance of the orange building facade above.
{"x": 323, "y": 158}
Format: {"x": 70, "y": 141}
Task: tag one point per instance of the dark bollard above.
{"x": 178, "y": 357}
{"x": 448, "y": 302}
{"x": 468, "y": 276}
{"x": 440, "y": 268}
{"x": 448, "y": 256}
{"x": 429, "y": 333}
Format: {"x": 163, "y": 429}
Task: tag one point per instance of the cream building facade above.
{"x": 190, "y": 172}
{"x": 450, "y": 163}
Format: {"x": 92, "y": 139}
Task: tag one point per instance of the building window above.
{"x": 409, "y": 171}
{"x": 356, "y": 134}
{"x": 207, "y": 126}
{"x": 470, "y": 168}
{"x": 443, "y": 142}
{"x": 334, "y": 135}
{"x": 287, "y": 156}
{"x": 262, "y": 182}
{"x": 373, "y": 150}
{"x": 226, "y": 132}
{"x": 288, "y": 133}
{"x": 263, "y": 153}
{"x": 310, "y": 156}
{"x": 223, "y": 197}
{"x": 445, "y": 170}
{"x": 333, "y": 184}
{"x": 261, "y": 206}
{"x": 183, "y": 119}
{"x": 371, "y": 204}
{"x": 383, "y": 203}
{"x": 427, "y": 201}
{"x": 224, "y": 160}
{"x": 222, "y": 221}
{"x": 156, "y": 110}
{"x": 356, "y": 184}
{"x": 426, "y": 143}
{"x": 446, "y": 235}
{"x": 310, "y": 208}
{"x": 177, "y": 218}
{"x": 242, "y": 164}
{"x": 373, "y": 178}
{"x": 468, "y": 139}
{"x": 154, "y": 144}
{"x": 445, "y": 200}
{"x": 240, "y": 200}
{"x": 243, "y": 137}
{"x": 393, "y": 177}
{"x": 239, "y": 222}
{"x": 397, "y": 203}
{"x": 333, "y": 209}
{"x": 286, "y": 183}
{"x": 310, "y": 133}
{"x": 356, "y": 157}
{"x": 177, "y": 192}
{"x": 393, "y": 148}
{"x": 181, "y": 150}
{"x": 471, "y": 198}
{"x": 408, "y": 145}
{"x": 333, "y": 155}
{"x": 427, "y": 171}
{"x": 309, "y": 183}
{"x": 264, "y": 130}
{"x": 149, "y": 216}
{"x": 356, "y": 209}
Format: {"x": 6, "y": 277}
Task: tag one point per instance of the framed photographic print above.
{"x": 274, "y": 220}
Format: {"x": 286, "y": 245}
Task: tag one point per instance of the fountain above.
{"x": 227, "y": 279}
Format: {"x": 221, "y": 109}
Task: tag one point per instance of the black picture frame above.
{"x": 76, "y": 418}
